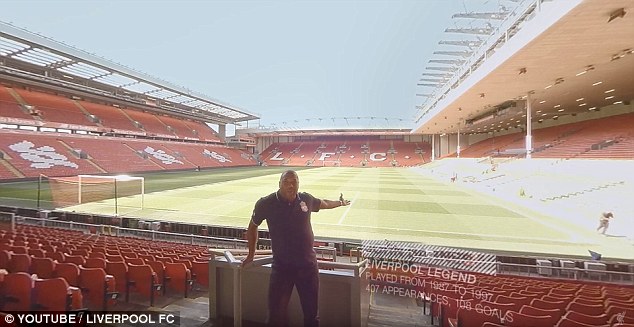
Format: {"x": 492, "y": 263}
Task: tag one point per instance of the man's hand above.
{"x": 344, "y": 202}
{"x": 247, "y": 260}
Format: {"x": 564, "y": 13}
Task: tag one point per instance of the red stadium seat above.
{"x": 142, "y": 279}
{"x": 589, "y": 301}
{"x": 533, "y": 311}
{"x": 134, "y": 261}
{"x": 36, "y": 253}
{"x": 120, "y": 272}
{"x": 542, "y": 304}
{"x": 114, "y": 258}
{"x": 178, "y": 277}
{"x": 20, "y": 263}
{"x": 98, "y": 287}
{"x": 68, "y": 271}
{"x": 76, "y": 259}
{"x": 15, "y": 292}
{"x": 55, "y": 294}
{"x": 565, "y": 322}
{"x": 43, "y": 267}
{"x": 523, "y": 320}
{"x": 593, "y": 310}
{"x": 615, "y": 310}
{"x": 159, "y": 268}
{"x": 5, "y": 259}
{"x": 477, "y": 318}
{"x": 201, "y": 271}
{"x": 587, "y": 319}
{"x": 95, "y": 263}
{"x": 56, "y": 256}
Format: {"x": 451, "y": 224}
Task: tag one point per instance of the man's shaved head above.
{"x": 289, "y": 185}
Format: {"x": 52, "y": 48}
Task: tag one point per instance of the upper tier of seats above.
{"x": 19, "y": 105}
{"x": 347, "y": 152}
{"x": 9, "y": 107}
{"x": 53, "y": 108}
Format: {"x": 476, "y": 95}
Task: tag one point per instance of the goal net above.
{"x": 331, "y": 163}
{"x": 106, "y": 193}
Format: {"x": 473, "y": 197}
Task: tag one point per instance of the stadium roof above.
{"x": 330, "y": 125}
{"x": 40, "y": 58}
{"x": 263, "y": 132}
{"x": 570, "y": 56}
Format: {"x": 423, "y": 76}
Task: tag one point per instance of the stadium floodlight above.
{"x": 107, "y": 193}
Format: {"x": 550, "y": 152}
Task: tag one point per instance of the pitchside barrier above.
{"x": 209, "y": 241}
{"x": 429, "y": 255}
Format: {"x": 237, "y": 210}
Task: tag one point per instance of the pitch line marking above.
{"x": 347, "y": 209}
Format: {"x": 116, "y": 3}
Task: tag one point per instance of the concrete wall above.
{"x": 343, "y": 299}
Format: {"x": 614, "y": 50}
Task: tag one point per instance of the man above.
{"x": 604, "y": 221}
{"x": 287, "y": 213}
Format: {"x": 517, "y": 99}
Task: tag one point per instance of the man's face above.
{"x": 289, "y": 185}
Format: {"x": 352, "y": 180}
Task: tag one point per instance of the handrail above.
{"x": 577, "y": 273}
{"x": 225, "y": 243}
{"x": 229, "y": 256}
{"x": 221, "y": 252}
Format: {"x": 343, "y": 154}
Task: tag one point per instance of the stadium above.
{"x": 120, "y": 191}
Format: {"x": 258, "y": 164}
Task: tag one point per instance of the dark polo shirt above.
{"x": 289, "y": 225}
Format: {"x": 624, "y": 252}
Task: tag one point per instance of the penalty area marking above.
{"x": 347, "y": 209}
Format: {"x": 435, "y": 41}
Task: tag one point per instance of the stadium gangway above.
{"x": 237, "y": 293}
{"x": 598, "y": 274}
{"x": 209, "y": 241}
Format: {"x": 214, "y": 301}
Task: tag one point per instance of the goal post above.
{"x": 330, "y": 163}
{"x": 105, "y": 191}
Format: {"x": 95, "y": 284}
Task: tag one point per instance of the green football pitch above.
{"x": 386, "y": 203}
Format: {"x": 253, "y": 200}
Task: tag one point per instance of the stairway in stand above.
{"x": 388, "y": 310}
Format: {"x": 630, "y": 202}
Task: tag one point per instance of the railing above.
{"x": 574, "y": 273}
{"x": 209, "y": 241}
{"x": 239, "y": 247}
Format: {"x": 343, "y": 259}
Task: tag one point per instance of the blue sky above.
{"x": 287, "y": 61}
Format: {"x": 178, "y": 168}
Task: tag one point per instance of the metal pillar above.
{"x": 433, "y": 147}
{"x": 529, "y": 135}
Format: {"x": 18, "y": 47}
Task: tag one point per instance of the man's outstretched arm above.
{"x": 252, "y": 239}
{"x": 329, "y": 204}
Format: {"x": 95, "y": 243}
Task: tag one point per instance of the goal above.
{"x": 331, "y": 163}
{"x": 110, "y": 192}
